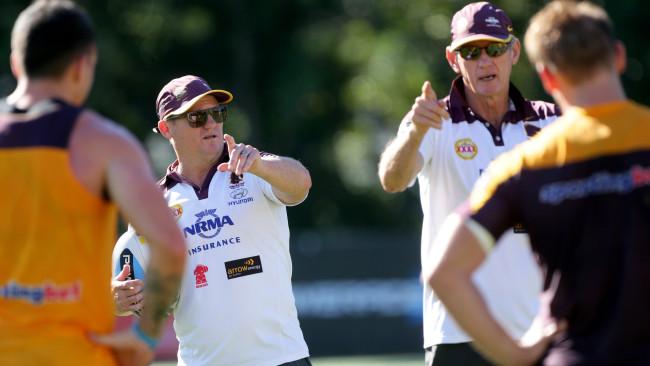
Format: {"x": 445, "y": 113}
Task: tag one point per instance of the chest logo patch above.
{"x": 466, "y": 149}
{"x": 177, "y": 211}
{"x": 243, "y": 267}
{"x": 199, "y": 276}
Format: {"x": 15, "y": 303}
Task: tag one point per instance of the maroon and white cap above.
{"x": 180, "y": 94}
{"x": 480, "y": 21}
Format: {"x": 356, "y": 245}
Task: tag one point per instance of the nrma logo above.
{"x": 208, "y": 224}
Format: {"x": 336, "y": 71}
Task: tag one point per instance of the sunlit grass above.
{"x": 385, "y": 360}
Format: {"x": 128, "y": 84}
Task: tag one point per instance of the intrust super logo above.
{"x": 466, "y": 149}
{"x": 243, "y": 267}
{"x": 208, "y": 224}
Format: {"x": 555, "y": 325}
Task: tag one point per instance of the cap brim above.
{"x": 478, "y": 37}
{"x": 223, "y": 97}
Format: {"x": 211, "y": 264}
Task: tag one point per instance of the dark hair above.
{"x": 573, "y": 38}
{"x": 49, "y": 34}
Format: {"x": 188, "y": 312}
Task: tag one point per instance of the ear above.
{"x": 515, "y": 51}
{"x": 74, "y": 70}
{"x": 452, "y": 59}
{"x": 620, "y": 57}
{"x": 549, "y": 80}
{"x": 163, "y": 128}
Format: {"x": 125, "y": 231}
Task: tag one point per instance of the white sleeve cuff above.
{"x": 484, "y": 237}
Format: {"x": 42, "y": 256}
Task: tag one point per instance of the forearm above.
{"x": 288, "y": 177}
{"x": 160, "y": 291}
{"x": 401, "y": 161}
{"x": 465, "y": 303}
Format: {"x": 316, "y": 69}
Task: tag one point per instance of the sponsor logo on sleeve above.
{"x": 243, "y": 267}
{"x": 519, "y": 228}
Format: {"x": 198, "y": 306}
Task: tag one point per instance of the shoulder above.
{"x": 100, "y": 133}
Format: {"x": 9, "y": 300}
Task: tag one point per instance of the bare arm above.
{"x": 131, "y": 185}
{"x": 106, "y": 158}
{"x": 401, "y": 161}
{"x": 451, "y": 279}
{"x": 288, "y": 177}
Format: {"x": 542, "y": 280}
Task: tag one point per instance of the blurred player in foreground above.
{"x": 447, "y": 144}
{"x": 582, "y": 190}
{"x": 66, "y": 169}
{"x": 236, "y": 304}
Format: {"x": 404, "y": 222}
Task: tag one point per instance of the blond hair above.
{"x": 571, "y": 38}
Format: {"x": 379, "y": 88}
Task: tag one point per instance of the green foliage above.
{"x": 323, "y": 81}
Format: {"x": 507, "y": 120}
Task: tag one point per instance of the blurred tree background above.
{"x": 325, "y": 81}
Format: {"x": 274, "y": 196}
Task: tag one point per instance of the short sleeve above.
{"x": 267, "y": 190}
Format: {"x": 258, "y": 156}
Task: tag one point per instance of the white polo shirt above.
{"x": 454, "y": 157}
{"x": 236, "y": 305}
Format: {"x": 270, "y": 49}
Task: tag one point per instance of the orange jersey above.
{"x": 56, "y": 242}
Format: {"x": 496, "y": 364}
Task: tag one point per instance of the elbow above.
{"x": 390, "y": 185}
{"x": 298, "y": 192}
{"x": 303, "y": 185}
{"x": 391, "y": 181}
{"x": 306, "y": 181}
{"x": 439, "y": 280}
{"x": 392, "y": 188}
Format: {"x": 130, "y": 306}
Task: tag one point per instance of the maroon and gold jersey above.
{"x": 56, "y": 241}
{"x": 581, "y": 188}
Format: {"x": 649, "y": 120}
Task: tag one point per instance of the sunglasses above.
{"x": 198, "y": 119}
{"x": 471, "y": 53}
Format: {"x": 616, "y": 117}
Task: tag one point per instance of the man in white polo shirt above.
{"x": 236, "y": 305}
{"x": 446, "y": 144}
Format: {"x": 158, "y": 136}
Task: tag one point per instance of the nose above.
{"x": 483, "y": 57}
{"x": 210, "y": 120}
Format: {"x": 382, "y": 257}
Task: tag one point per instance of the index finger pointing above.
{"x": 230, "y": 141}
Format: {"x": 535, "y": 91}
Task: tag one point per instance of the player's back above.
{"x": 56, "y": 244}
{"x": 587, "y": 211}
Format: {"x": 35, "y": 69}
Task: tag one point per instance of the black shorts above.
{"x": 454, "y": 354}
{"x": 302, "y": 362}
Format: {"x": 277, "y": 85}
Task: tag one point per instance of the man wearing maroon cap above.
{"x": 581, "y": 189}
{"x": 236, "y": 304}
{"x": 446, "y": 144}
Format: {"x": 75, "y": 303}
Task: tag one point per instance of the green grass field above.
{"x": 387, "y": 360}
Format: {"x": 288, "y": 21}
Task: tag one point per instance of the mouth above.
{"x": 489, "y": 77}
{"x": 209, "y": 137}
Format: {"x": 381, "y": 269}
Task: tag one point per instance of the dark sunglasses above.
{"x": 474, "y": 52}
{"x": 198, "y": 119}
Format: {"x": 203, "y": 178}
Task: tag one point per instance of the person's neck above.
{"x": 492, "y": 107}
{"x": 601, "y": 88}
{"x": 31, "y": 91}
{"x": 196, "y": 170}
